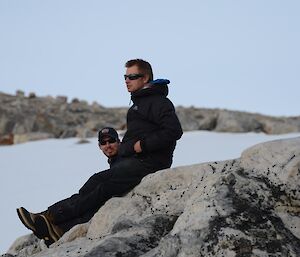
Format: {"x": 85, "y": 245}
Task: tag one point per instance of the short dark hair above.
{"x": 143, "y": 66}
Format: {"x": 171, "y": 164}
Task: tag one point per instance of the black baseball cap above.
{"x": 107, "y": 132}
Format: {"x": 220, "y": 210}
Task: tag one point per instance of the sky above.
{"x": 237, "y": 55}
{"x": 37, "y": 174}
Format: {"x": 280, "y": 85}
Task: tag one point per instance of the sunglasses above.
{"x": 133, "y": 76}
{"x": 110, "y": 141}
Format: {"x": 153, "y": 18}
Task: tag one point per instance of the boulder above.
{"x": 243, "y": 207}
{"x": 237, "y": 122}
{"x": 26, "y": 246}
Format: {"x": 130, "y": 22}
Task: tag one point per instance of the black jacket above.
{"x": 152, "y": 119}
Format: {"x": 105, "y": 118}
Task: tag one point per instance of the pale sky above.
{"x": 237, "y": 55}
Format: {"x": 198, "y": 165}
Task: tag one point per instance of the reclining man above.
{"x": 108, "y": 141}
{"x": 147, "y": 146}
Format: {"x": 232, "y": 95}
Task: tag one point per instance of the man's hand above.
{"x": 137, "y": 147}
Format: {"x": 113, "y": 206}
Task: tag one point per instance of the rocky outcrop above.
{"x": 243, "y": 207}
{"x": 234, "y": 121}
{"x": 32, "y": 118}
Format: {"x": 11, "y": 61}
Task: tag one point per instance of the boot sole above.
{"x": 25, "y": 218}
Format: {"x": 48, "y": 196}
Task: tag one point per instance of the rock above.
{"x": 77, "y": 231}
{"x": 7, "y": 139}
{"x": 197, "y": 118}
{"x": 22, "y": 138}
{"x": 237, "y": 122}
{"x": 20, "y": 93}
{"x": 83, "y": 141}
{"x": 229, "y": 121}
{"x": 75, "y": 100}
{"x": 32, "y": 95}
{"x": 243, "y": 207}
{"x": 280, "y": 125}
{"x": 26, "y": 246}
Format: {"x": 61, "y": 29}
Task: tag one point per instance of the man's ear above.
{"x": 146, "y": 79}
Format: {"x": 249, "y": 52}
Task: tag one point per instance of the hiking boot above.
{"x": 40, "y": 226}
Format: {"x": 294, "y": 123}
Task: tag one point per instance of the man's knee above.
{"x": 94, "y": 181}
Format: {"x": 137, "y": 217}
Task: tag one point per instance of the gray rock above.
{"x": 26, "y": 246}
{"x": 62, "y": 99}
{"x": 54, "y": 117}
{"x": 32, "y": 136}
{"x": 237, "y": 122}
{"x": 243, "y": 207}
{"x": 197, "y": 118}
{"x": 20, "y": 93}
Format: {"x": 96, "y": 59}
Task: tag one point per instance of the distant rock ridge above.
{"x": 25, "y": 118}
{"x": 248, "y": 206}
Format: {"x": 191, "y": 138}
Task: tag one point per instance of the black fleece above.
{"x": 152, "y": 119}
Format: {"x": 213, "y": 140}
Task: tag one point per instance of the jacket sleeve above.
{"x": 169, "y": 128}
{"x": 127, "y": 148}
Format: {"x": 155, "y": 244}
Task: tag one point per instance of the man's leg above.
{"x": 94, "y": 181}
{"x": 42, "y": 224}
{"x": 67, "y": 204}
{"x": 67, "y": 225}
{"x": 125, "y": 175}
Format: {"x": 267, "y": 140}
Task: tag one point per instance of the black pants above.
{"x": 118, "y": 180}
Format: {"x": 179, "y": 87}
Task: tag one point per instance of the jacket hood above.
{"x": 154, "y": 87}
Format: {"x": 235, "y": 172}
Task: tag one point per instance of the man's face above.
{"x": 109, "y": 146}
{"x": 138, "y": 82}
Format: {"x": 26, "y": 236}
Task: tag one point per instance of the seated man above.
{"x": 40, "y": 223}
